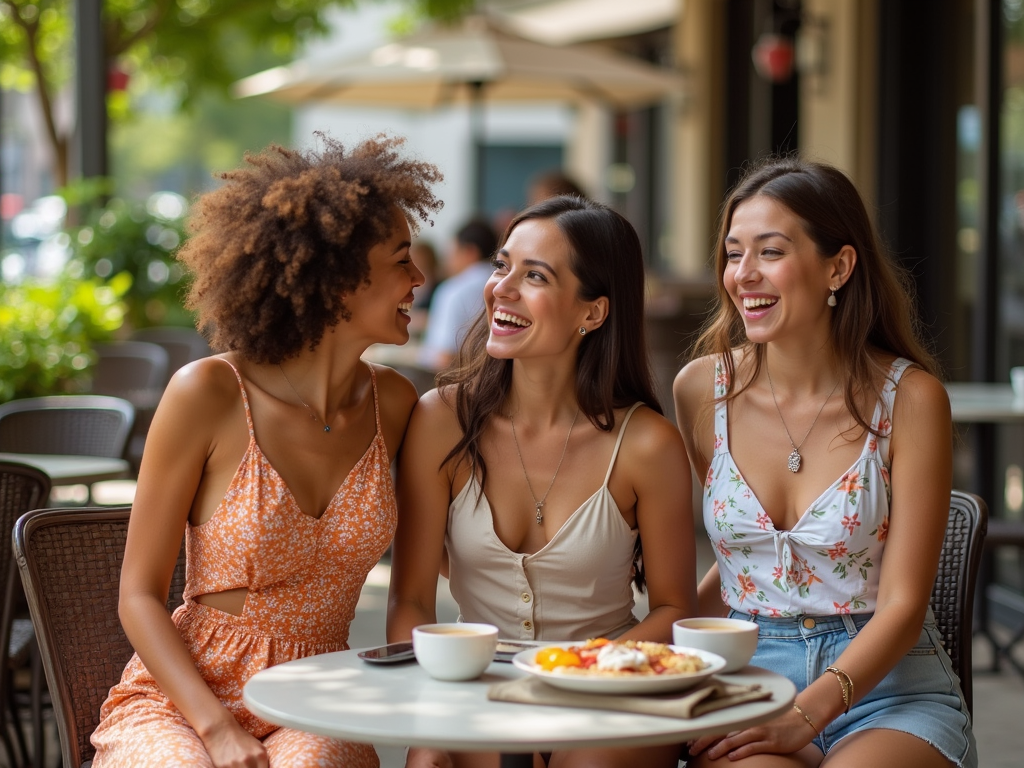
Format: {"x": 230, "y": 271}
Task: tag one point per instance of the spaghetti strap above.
{"x": 618, "y": 442}
{"x": 245, "y": 398}
{"x": 721, "y": 409}
{"x": 376, "y": 402}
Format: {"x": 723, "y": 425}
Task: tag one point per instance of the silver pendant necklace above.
{"x": 795, "y": 459}
{"x": 539, "y": 505}
{"x": 311, "y": 411}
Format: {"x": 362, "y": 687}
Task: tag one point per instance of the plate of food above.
{"x": 613, "y": 666}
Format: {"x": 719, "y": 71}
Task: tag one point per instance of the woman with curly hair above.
{"x": 543, "y": 462}
{"x": 273, "y": 457}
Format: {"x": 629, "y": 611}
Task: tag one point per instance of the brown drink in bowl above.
{"x": 735, "y": 640}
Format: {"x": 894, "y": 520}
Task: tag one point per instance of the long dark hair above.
{"x": 875, "y": 310}
{"x": 612, "y": 366}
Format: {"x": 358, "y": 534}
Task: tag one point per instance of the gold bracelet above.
{"x": 846, "y": 684}
{"x": 809, "y": 721}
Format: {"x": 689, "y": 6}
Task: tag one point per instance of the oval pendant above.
{"x": 328, "y": 429}
{"x": 794, "y": 461}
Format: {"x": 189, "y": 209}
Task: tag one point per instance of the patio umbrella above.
{"x": 474, "y": 62}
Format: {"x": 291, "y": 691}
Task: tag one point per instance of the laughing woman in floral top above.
{"x": 814, "y": 414}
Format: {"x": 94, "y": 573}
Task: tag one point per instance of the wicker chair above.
{"x": 21, "y": 488}
{"x": 84, "y": 425}
{"x": 70, "y": 561}
{"x": 953, "y": 593}
{"x": 183, "y": 345}
{"x": 130, "y": 368}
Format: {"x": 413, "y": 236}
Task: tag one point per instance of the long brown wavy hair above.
{"x": 612, "y": 366}
{"x": 875, "y": 314}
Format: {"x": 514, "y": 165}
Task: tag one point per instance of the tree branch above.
{"x": 117, "y": 43}
{"x": 57, "y": 142}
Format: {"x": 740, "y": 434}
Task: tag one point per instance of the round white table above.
{"x": 984, "y": 403}
{"x": 341, "y": 696}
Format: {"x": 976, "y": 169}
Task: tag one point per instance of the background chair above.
{"x": 136, "y": 371}
{"x": 183, "y": 345}
{"x": 130, "y": 369}
{"x": 70, "y": 563}
{"x": 22, "y": 488}
{"x": 953, "y": 593}
{"x": 83, "y": 425}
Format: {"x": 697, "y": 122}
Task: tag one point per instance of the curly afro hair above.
{"x": 275, "y": 250}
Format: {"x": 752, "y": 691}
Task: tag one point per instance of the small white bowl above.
{"x": 456, "y": 651}
{"x": 735, "y": 640}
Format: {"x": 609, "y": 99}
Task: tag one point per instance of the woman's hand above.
{"x": 784, "y": 735}
{"x": 421, "y": 757}
{"x": 231, "y": 746}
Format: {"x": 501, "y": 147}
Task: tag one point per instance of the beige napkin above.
{"x": 693, "y": 702}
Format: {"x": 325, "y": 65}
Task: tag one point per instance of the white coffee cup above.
{"x": 735, "y": 640}
{"x": 1017, "y": 381}
{"x": 456, "y": 651}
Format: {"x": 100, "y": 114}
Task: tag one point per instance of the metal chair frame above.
{"x": 70, "y": 562}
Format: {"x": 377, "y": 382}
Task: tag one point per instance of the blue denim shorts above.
{"x": 920, "y": 695}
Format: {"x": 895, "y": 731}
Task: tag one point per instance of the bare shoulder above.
{"x": 396, "y": 393}
{"x": 919, "y": 394}
{"x": 208, "y": 385}
{"x": 651, "y": 439}
{"x": 436, "y": 411}
{"x": 695, "y": 381}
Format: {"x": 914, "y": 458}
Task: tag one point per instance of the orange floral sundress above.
{"x": 304, "y": 576}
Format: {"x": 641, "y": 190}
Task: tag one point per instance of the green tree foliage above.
{"x": 47, "y": 331}
{"x": 181, "y": 43}
{"x": 134, "y": 241}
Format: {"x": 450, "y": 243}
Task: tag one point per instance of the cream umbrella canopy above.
{"x": 474, "y": 62}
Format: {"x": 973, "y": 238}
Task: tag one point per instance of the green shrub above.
{"x": 47, "y": 331}
{"x": 139, "y": 238}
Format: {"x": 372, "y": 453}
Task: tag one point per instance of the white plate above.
{"x": 638, "y": 684}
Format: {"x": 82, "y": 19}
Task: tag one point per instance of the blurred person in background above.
{"x": 459, "y": 298}
{"x": 552, "y": 184}
{"x": 424, "y": 256}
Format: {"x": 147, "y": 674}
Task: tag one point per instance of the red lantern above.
{"x": 117, "y": 79}
{"x": 774, "y": 56}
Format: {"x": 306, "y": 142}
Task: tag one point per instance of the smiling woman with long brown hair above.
{"x": 813, "y": 413}
{"x": 542, "y": 466}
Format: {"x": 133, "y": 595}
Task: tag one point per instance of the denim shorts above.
{"x": 920, "y": 695}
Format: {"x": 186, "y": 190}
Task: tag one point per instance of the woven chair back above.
{"x": 129, "y": 366}
{"x": 22, "y": 488}
{"x": 953, "y": 593}
{"x": 70, "y": 562}
{"x": 83, "y": 425}
{"x": 183, "y": 345}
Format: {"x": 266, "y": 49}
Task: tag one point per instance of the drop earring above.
{"x": 583, "y": 331}
{"x": 831, "y": 301}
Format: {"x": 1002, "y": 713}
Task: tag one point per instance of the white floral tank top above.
{"x": 827, "y": 563}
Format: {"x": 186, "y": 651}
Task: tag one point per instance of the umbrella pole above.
{"x": 476, "y": 130}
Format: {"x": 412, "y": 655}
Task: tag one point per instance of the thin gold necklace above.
{"x": 311, "y": 411}
{"x": 539, "y": 505}
{"x": 795, "y": 458}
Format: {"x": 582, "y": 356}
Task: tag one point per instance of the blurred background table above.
{"x": 73, "y": 470}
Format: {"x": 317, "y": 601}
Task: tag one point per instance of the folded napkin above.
{"x": 693, "y": 702}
